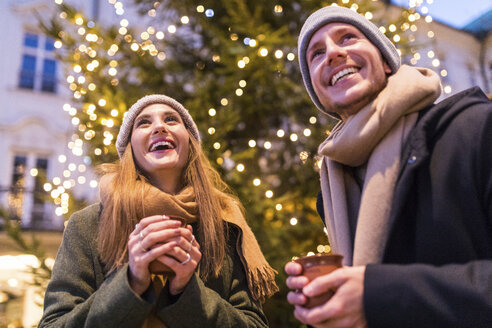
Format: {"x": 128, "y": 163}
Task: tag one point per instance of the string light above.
{"x": 144, "y": 44}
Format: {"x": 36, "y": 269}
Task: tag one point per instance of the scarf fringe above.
{"x": 261, "y": 283}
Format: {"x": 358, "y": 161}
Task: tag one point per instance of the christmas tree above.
{"x": 233, "y": 64}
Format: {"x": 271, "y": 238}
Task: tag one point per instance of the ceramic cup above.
{"x": 157, "y": 267}
{"x": 316, "y": 265}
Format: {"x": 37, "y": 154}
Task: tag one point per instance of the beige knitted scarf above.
{"x": 260, "y": 275}
{"x": 371, "y": 139}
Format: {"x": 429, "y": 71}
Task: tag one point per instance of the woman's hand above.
{"x": 182, "y": 259}
{"x": 160, "y": 238}
{"x": 143, "y": 248}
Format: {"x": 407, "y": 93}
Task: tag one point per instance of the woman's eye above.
{"x": 172, "y": 119}
{"x": 142, "y": 122}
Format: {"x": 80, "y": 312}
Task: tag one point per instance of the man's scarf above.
{"x": 371, "y": 139}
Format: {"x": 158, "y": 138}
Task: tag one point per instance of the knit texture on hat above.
{"x": 332, "y": 14}
{"x": 126, "y": 127}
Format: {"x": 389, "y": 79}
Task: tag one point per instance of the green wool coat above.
{"x": 79, "y": 294}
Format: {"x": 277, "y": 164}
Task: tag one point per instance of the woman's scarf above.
{"x": 371, "y": 139}
{"x": 260, "y": 275}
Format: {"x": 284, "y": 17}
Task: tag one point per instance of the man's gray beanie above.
{"x": 332, "y": 14}
{"x": 126, "y": 127}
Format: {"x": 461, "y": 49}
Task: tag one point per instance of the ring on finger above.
{"x": 140, "y": 235}
{"x": 191, "y": 244}
{"x": 192, "y": 239}
{"x": 188, "y": 258}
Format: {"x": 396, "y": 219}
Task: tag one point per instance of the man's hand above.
{"x": 344, "y": 309}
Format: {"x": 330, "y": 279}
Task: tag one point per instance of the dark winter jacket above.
{"x": 437, "y": 265}
{"x": 79, "y": 295}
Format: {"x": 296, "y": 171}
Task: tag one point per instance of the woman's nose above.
{"x": 159, "y": 127}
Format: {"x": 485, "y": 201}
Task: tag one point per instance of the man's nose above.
{"x": 334, "y": 52}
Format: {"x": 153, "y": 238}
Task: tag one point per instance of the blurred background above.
{"x": 71, "y": 68}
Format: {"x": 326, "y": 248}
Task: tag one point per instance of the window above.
{"x": 39, "y": 67}
{"x": 27, "y": 198}
{"x": 48, "y": 79}
{"x": 39, "y": 195}
{"x": 16, "y": 196}
{"x": 28, "y": 72}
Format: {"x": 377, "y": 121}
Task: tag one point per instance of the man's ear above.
{"x": 386, "y": 67}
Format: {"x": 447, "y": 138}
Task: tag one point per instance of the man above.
{"x": 406, "y": 186}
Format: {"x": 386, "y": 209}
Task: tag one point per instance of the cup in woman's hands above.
{"x": 157, "y": 267}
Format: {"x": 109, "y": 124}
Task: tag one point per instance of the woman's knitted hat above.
{"x": 126, "y": 127}
{"x": 332, "y": 14}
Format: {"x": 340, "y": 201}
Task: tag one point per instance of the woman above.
{"x": 129, "y": 262}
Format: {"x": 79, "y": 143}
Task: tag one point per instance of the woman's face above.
{"x": 160, "y": 142}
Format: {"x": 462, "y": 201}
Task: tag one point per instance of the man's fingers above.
{"x": 296, "y": 298}
{"x": 293, "y": 269}
{"x": 296, "y": 282}
{"x": 325, "y": 283}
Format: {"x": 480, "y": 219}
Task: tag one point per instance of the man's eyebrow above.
{"x": 314, "y": 45}
{"x": 344, "y": 29}
{"x": 336, "y": 32}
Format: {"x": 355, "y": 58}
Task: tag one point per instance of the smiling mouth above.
{"x": 343, "y": 74}
{"x": 161, "y": 145}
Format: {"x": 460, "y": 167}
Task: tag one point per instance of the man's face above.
{"x": 347, "y": 70}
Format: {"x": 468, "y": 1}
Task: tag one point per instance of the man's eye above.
{"x": 348, "y": 37}
{"x": 316, "y": 53}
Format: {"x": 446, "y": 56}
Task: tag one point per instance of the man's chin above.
{"x": 349, "y": 107}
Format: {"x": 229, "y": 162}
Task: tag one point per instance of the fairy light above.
{"x": 47, "y": 187}
{"x": 263, "y": 52}
{"x": 146, "y": 47}
{"x": 171, "y": 29}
